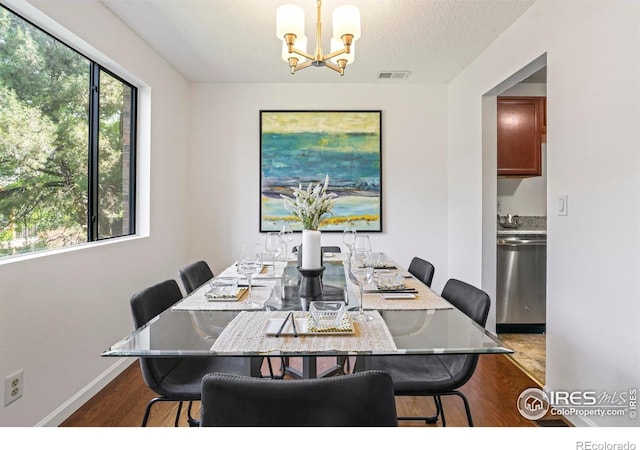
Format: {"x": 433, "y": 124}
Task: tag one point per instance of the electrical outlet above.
{"x": 499, "y": 208}
{"x": 13, "y": 387}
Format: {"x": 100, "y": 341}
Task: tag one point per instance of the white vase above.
{"x": 311, "y": 249}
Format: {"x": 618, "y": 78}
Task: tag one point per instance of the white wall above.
{"x": 58, "y": 312}
{"x": 524, "y": 196}
{"x": 225, "y": 170}
{"x": 593, "y": 264}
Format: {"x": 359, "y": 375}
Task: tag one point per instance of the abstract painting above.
{"x": 302, "y": 147}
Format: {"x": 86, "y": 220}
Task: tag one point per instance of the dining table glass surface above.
{"x": 197, "y": 332}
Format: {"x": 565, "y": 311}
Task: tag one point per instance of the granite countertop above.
{"x": 530, "y": 225}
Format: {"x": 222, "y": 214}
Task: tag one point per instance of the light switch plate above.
{"x": 563, "y": 205}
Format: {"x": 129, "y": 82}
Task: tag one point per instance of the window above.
{"x": 67, "y": 144}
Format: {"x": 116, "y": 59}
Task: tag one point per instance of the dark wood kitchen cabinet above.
{"x": 521, "y": 125}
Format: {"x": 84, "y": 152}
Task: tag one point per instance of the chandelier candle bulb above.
{"x": 289, "y": 20}
{"x": 346, "y": 22}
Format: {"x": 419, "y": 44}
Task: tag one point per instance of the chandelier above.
{"x": 290, "y": 28}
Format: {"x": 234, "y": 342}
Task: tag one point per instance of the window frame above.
{"x": 93, "y": 131}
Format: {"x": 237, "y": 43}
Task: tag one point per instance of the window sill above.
{"x": 72, "y": 248}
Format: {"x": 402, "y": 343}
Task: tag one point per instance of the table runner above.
{"x": 245, "y": 333}
{"x": 425, "y": 297}
{"x": 198, "y": 301}
{"x": 267, "y": 272}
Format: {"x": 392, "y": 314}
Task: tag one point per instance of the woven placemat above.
{"x": 246, "y": 333}
{"x": 198, "y": 301}
{"x": 267, "y": 272}
{"x": 425, "y": 297}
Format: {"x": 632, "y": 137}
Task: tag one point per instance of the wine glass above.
{"x": 250, "y": 264}
{"x": 273, "y": 246}
{"x": 361, "y": 242}
{"x": 349, "y": 237}
{"x": 361, "y": 273}
{"x": 287, "y": 237}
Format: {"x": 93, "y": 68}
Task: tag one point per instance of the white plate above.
{"x": 397, "y": 296}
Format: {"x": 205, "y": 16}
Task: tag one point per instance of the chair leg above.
{"x": 147, "y": 410}
{"x": 467, "y": 409}
{"x": 440, "y": 409}
{"x": 345, "y": 364}
{"x": 270, "y": 367}
{"x": 433, "y": 419}
{"x": 175, "y": 424}
{"x": 193, "y": 422}
{"x": 282, "y": 368}
{"x": 430, "y": 419}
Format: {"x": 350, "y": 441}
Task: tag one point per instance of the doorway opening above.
{"x": 515, "y": 211}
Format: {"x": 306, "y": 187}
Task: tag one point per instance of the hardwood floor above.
{"x": 492, "y": 393}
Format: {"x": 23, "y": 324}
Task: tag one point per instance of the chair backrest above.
{"x": 195, "y": 275}
{"x": 360, "y": 399}
{"x": 151, "y": 301}
{"x": 422, "y": 270}
{"x": 145, "y": 305}
{"x": 475, "y": 303}
{"x": 472, "y": 301}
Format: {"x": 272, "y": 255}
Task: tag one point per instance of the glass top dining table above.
{"x": 199, "y": 332}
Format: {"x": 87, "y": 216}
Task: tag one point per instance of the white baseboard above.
{"x": 64, "y": 411}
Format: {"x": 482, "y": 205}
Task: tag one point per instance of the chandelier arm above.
{"x": 304, "y": 65}
{"x": 336, "y": 53}
{"x": 301, "y": 53}
{"x": 334, "y": 67}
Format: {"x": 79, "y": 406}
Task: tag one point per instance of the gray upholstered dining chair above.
{"x": 175, "y": 379}
{"x": 438, "y": 375}
{"x": 421, "y": 269}
{"x": 198, "y": 273}
{"x": 358, "y": 400}
{"x": 195, "y": 275}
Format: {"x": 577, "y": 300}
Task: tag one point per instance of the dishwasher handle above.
{"x": 521, "y": 242}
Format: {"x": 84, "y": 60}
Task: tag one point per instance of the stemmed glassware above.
{"x": 361, "y": 242}
{"x": 287, "y": 237}
{"x": 349, "y": 237}
{"x": 273, "y": 245}
{"x": 361, "y": 273}
{"x": 250, "y": 264}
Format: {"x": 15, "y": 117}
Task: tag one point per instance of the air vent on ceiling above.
{"x": 393, "y": 75}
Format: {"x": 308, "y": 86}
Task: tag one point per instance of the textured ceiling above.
{"x": 235, "y": 41}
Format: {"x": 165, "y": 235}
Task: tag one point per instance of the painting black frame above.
{"x": 374, "y": 140}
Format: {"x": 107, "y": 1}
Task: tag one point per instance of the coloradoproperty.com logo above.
{"x": 534, "y": 403}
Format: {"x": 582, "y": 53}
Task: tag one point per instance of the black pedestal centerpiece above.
{"x": 310, "y": 284}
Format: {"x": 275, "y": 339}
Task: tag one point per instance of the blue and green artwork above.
{"x": 302, "y": 147}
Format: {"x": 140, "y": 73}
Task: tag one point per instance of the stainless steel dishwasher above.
{"x": 521, "y": 284}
